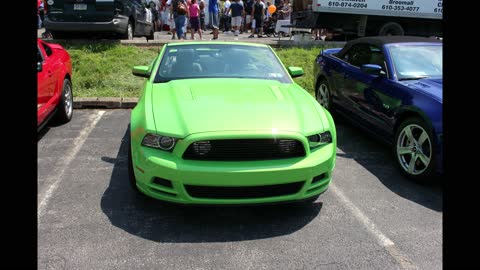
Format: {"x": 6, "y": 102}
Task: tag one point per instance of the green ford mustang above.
{"x": 224, "y": 123}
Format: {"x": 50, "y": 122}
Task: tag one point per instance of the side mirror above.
{"x": 372, "y": 69}
{"x": 39, "y": 66}
{"x": 295, "y": 71}
{"x": 141, "y": 71}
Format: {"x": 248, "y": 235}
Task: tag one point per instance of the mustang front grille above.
{"x": 248, "y": 192}
{"x": 244, "y": 149}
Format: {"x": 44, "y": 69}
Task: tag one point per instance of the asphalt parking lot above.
{"x": 371, "y": 217}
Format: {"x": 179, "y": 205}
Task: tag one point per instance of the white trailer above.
{"x": 371, "y": 17}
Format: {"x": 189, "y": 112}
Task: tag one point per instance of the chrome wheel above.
{"x": 68, "y": 97}
{"x": 414, "y": 149}
{"x": 323, "y": 95}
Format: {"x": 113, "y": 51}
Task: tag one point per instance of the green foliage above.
{"x": 304, "y": 58}
{"x": 105, "y": 70}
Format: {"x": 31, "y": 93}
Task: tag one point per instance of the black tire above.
{"x": 65, "y": 106}
{"x": 127, "y": 34}
{"x": 391, "y": 29}
{"x": 321, "y": 98}
{"x": 131, "y": 175}
{"x": 424, "y": 174}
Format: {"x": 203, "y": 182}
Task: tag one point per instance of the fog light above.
{"x": 163, "y": 182}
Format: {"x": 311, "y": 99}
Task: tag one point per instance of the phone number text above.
{"x": 343, "y": 4}
{"x": 400, "y": 8}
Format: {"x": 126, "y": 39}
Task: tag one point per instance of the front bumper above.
{"x": 151, "y": 163}
{"x": 118, "y": 25}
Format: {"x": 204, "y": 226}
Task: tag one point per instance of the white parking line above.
{"x": 57, "y": 174}
{"x": 382, "y": 239}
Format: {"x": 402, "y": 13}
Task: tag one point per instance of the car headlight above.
{"x": 165, "y": 143}
{"x": 320, "y": 139}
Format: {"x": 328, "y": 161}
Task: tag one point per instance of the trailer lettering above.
{"x": 394, "y": 2}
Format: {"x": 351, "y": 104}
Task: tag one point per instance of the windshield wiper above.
{"x": 414, "y": 78}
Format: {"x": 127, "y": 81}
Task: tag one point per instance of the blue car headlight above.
{"x": 320, "y": 139}
{"x": 165, "y": 143}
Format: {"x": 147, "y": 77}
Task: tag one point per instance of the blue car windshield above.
{"x": 417, "y": 61}
{"x": 220, "y": 61}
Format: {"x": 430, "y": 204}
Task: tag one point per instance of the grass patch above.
{"x": 105, "y": 69}
{"x": 304, "y": 58}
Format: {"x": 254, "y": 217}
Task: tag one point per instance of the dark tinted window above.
{"x": 47, "y": 49}
{"x": 358, "y": 55}
{"x": 377, "y": 57}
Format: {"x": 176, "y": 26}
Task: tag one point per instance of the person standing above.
{"x": 248, "y": 15}
{"x": 286, "y": 10}
{"x": 154, "y": 4}
{"x": 202, "y": 15}
{"x": 226, "y": 16}
{"x": 179, "y": 11}
{"x": 258, "y": 15}
{"x": 194, "y": 19}
{"x": 213, "y": 16}
{"x": 40, "y": 12}
{"x": 237, "y": 13}
{"x": 171, "y": 22}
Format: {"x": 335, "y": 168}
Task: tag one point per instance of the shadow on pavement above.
{"x": 162, "y": 222}
{"x": 52, "y": 123}
{"x": 377, "y": 158}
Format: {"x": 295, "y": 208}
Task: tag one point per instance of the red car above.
{"x": 54, "y": 78}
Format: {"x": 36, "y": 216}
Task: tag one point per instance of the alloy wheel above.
{"x": 323, "y": 96}
{"x": 68, "y": 97}
{"x": 414, "y": 149}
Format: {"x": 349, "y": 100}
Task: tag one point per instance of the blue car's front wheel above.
{"x": 323, "y": 95}
{"x": 414, "y": 149}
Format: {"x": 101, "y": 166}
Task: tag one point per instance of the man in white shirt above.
{"x": 226, "y": 16}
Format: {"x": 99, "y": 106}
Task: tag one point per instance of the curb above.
{"x": 104, "y": 102}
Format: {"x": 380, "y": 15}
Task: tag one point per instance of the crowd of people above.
{"x": 237, "y": 16}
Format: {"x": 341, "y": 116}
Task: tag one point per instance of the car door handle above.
{"x": 50, "y": 73}
{"x": 346, "y": 75}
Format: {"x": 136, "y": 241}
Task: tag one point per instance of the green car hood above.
{"x": 183, "y": 107}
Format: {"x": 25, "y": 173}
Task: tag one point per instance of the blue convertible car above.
{"x": 392, "y": 87}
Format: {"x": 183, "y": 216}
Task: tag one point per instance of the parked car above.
{"x": 126, "y": 18}
{"x": 224, "y": 123}
{"x": 392, "y": 87}
{"x": 54, "y": 84}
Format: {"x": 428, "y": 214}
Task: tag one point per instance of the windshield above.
{"x": 220, "y": 61}
{"x": 417, "y": 61}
